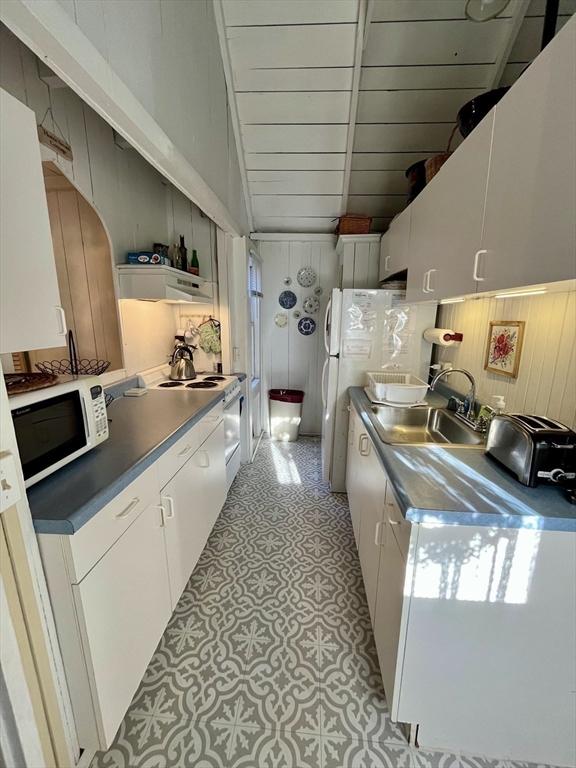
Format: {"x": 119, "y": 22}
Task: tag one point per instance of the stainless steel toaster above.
{"x": 535, "y": 449}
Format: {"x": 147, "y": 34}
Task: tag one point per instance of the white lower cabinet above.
{"x": 388, "y": 612}
{"x": 383, "y": 541}
{"x": 373, "y": 488}
{"x": 192, "y": 501}
{"x": 113, "y": 584}
{"x": 450, "y": 605}
{"x": 352, "y": 479}
{"x": 123, "y": 605}
{"x": 375, "y": 515}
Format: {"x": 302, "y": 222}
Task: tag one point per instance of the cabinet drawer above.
{"x": 178, "y": 454}
{"x": 90, "y": 543}
{"x": 123, "y": 606}
{"x": 398, "y": 523}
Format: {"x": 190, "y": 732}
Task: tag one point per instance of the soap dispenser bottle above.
{"x": 499, "y": 404}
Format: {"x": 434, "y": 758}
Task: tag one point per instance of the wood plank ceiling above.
{"x": 308, "y": 76}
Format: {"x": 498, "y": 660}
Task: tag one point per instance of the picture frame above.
{"x": 504, "y": 347}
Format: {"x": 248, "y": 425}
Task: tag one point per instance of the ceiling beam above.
{"x": 227, "y": 64}
{"x": 364, "y": 15}
{"x": 515, "y": 22}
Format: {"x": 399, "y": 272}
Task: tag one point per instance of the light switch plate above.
{"x": 9, "y": 488}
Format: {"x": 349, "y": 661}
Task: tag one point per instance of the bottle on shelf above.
{"x": 194, "y": 267}
{"x": 183, "y": 255}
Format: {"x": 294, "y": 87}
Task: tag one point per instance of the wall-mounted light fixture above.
{"x": 452, "y": 301}
{"x": 516, "y": 294}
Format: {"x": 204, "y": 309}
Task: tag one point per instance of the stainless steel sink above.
{"x": 423, "y": 426}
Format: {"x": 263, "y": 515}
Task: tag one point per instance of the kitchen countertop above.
{"x": 462, "y": 486}
{"x": 141, "y": 430}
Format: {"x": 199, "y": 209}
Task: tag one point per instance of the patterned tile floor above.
{"x": 268, "y": 660}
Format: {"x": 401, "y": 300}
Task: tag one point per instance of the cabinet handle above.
{"x": 428, "y": 289}
{"x": 475, "y": 274}
{"x": 61, "y": 321}
{"x": 185, "y": 450}
{"x": 377, "y": 534}
{"x": 170, "y": 510}
{"x": 126, "y": 511}
{"x": 364, "y": 445}
{"x": 203, "y": 459}
{"x": 424, "y": 281}
{"x": 387, "y": 262}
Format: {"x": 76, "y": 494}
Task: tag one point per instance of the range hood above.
{"x": 153, "y": 282}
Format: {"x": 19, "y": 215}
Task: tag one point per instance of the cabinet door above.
{"x": 447, "y": 222}
{"x": 352, "y": 472}
{"x": 397, "y": 247}
{"x": 192, "y": 501}
{"x": 123, "y": 605}
{"x": 529, "y": 232}
{"x": 388, "y": 612}
{"x": 30, "y": 313}
{"x": 384, "y": 255}
{"x": 373, "y": 482}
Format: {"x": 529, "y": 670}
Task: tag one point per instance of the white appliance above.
{"x": 58, "y": 424}
{"x": 159, "y": 378}
{"x": 365, "y": 330}
{"x": 155, "y": 282}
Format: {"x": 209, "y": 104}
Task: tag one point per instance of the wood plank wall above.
{"x": 289, "y": 359}
{"x": 84, "y": 269}
{"x": 546, "y": 379}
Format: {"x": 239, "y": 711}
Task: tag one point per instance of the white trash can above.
{"x": 285, "y": 413}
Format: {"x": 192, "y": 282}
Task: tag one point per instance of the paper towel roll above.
{"x": 444, "y": 337}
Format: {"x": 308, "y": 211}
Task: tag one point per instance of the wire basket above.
{"x": 72, "y": 366}
{"x": 76, "y": 367}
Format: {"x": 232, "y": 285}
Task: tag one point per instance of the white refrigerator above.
{"x": 365, "y": 330}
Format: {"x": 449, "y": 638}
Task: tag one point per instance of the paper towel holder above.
{"x": 442, "y": 336}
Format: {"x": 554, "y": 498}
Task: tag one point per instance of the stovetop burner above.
{"x": 202, "y": 385}
{"x": 215, "y": 378}
{"x": 168, "y": 384}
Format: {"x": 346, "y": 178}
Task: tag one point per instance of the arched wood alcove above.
{"x": 84, "y": 267}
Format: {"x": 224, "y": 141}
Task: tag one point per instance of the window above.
{"x": 255, "y": 293}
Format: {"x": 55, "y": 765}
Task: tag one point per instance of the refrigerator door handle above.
{"x": 326, "y": 326}
{"x": 324, "y": 369}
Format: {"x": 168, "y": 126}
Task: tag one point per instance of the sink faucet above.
{"x": 471, "y": 397}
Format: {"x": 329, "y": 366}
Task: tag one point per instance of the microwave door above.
{"x": 49, "y": 433}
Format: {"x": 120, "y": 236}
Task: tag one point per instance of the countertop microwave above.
{"x": 58, "y": 424}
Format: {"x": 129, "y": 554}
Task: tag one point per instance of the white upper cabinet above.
{"x": 30, "y": 313}
{"x": 446, "y": 225}
{"x": 394, "y": 253}
{"x": 529, "y": 228}
{"x": 500, "y": 213}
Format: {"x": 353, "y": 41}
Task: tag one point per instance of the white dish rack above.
{"x": 396, "y": 387}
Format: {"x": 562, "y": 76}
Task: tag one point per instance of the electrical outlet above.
{"x": 9, "y": 489}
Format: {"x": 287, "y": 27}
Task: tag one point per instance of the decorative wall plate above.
{"x": 287, "y": 281}
{"x": 297, "y": 314}
{"x": 287, "y": 299}
{"x": 307, "y": 326}
{"x": 281, "y": 319}
{"x": 311, "y": 305}
{"x": 318, "y": 290}
{"x": 306, "y": 277}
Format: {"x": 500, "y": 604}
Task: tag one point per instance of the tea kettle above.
{"x": 182, "y": 364}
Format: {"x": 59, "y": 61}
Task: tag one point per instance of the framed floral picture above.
{"x": 504, "y": 347}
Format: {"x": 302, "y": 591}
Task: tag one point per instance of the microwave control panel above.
{"x": 99, "y": 410}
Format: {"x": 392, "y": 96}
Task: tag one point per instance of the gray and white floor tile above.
{"x": 269, "y": 659}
